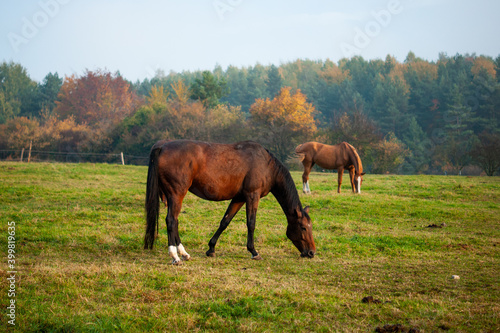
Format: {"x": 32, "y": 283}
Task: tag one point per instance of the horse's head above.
{"x": 299, "y": 231}
{"x": 358, "y": 180}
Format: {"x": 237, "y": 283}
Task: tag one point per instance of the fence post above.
{"x": 29, "y": 154}
{"x": 22, "y": 153}
{"x": 123, "y": 160}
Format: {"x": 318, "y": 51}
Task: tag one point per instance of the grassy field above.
{"x": 81, "y": 267}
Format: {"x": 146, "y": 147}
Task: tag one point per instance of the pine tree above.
{"x": 209, "y": 89}
{"x": 274, "y": 81}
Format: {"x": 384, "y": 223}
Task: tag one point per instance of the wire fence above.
{"x": 22, "y": 155}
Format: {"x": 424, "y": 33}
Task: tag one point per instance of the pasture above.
{"x": 81, "y": 264}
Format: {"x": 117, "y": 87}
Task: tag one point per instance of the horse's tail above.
{"x": 152, "y": 205}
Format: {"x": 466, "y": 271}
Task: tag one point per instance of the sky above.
{"x": 140, "y": 38}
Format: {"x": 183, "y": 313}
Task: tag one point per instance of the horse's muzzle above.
{"x": 307, "y": 253}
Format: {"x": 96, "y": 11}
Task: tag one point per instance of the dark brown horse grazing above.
{"x": 243, "y": 173}
{"x": 339, "y": 157}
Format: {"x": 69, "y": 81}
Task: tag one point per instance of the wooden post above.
{"x": 123, "y": 160}
{"x": 22, "y": 153}
{"x": 29, "y": 154}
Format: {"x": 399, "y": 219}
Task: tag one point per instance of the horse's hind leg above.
{"x": 252, "y": 205}
{"x": 340, "y": 172}
{"x": 231, "y": 211}
{"x": 174, "y": 240}
{"x": 305, "y": 177}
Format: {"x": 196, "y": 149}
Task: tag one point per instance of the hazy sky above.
{"x": 139, "y": 37}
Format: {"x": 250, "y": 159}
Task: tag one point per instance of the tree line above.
{"x": 415, "y": 116}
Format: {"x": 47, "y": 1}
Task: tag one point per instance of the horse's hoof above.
{"x": 186, "y": 257}
{"x": 257, "y": 257}
{"x": 210, "y": 254}
{"x": 176, "y": 262}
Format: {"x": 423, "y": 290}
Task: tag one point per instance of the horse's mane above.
{"x": 355, "y": 157}
{"x": 284, "y": 188}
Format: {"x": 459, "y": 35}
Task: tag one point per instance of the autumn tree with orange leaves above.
{"x": 173, "y": 115}
{"x": 100, "y": 100}
{"x": 283, "y": 122}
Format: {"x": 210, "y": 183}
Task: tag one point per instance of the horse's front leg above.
{"x": 174, "y": 241}
{"x": 351, "y": 176}
{"x": 231, "y": 211}
{"x": 252, "y": 205}
{"x": 305, "y": 177}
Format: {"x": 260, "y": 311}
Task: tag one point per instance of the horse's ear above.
{"x": 363, "y": 173}
{"x": 306, "y": 209}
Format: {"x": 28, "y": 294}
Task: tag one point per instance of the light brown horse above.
{"x": 339, "y": 157}
{"x": 242, "y": 172}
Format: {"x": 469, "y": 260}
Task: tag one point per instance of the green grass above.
{"x": 81, "y": 266}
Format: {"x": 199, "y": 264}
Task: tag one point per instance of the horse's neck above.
{"x": 354, "y": 159}
{"x": 285, "y": 192}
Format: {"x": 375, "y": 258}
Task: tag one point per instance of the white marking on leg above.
{"x": 183, "y": 253}
{"x": 308, "y": 188}
{"x": 304, "y": 188}
{"x": 172, "y": 250}
{"x": 359, "y": 184}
